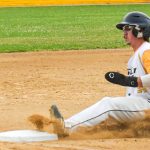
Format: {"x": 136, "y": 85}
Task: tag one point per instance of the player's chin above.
{"x": 127, "y": 42}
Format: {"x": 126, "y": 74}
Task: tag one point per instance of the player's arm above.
{"x": 143, "y": 81}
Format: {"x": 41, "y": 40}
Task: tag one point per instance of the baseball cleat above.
{"x": 58, "y": 122}
{"x": 56, "y": 112}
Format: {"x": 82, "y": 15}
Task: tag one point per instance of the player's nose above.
{"x": 125, "y": 34}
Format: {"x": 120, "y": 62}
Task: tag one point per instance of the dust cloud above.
{"x": 107, "y": 130}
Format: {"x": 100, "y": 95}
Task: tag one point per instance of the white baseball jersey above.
{"x": 138, "y": 66}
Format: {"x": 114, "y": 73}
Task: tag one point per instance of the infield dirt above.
{"x": 73, "y": 80}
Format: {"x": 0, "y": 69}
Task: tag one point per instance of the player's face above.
{"x": 128, "y": 36}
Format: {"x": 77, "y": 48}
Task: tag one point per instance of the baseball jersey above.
{"x": 139, "y": 66}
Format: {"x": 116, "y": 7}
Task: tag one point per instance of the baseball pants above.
{"x": 122, "y": 109}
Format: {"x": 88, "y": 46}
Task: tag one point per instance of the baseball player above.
{"x": 136, "y": 31}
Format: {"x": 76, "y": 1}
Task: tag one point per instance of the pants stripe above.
{"x": 131, "y": 111}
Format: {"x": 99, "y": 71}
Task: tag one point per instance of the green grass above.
{"x": 63, "y": 27}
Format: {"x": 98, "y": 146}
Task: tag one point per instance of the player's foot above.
{"x": 58, "y": 122}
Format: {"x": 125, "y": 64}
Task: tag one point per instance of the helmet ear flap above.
{"x": 142, "y": 33}
{"x": 137, "y": 32}
{"x": 146, "y": 32}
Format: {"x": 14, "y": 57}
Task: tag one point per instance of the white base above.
{"x": 26, "y": 136}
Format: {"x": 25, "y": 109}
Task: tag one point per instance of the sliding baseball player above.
{"x": 136, "y": 31}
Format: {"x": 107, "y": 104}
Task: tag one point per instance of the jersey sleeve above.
{"x": 146, "y": 64}
{"x": 146, "y": 61}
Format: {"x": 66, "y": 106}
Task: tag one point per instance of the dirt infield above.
{"x": 31, "y": 82}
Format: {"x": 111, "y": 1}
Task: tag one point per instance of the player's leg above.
{"x": 123, "y": 109}
{"x": 57, "y": 121}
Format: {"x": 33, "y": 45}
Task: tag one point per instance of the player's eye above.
{"x": 127, "y": 28}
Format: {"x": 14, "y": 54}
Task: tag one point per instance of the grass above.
{"x": 63, "y": 27}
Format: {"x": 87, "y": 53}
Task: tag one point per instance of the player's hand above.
{"x": 118, "y": 78}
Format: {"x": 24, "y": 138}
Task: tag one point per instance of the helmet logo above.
{"x": 140, "y": 35}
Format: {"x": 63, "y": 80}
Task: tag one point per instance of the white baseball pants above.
{"x": 123, "y": 109}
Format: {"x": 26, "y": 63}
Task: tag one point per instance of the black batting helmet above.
{"x": 140, "y": 23}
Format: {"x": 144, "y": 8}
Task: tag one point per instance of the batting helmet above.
{"x": 140, "y": 23}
